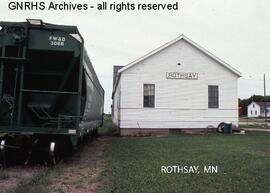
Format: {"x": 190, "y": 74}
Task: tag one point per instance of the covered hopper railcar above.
{"x": 50, "y": 94}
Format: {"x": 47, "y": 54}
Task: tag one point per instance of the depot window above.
{"x": 213, "y": 96}
{"x": 149, "y": 95}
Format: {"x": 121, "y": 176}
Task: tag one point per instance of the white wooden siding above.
{"x": 254, "y": 108}
{"x": 116, "y": 105}
{"x": 178, "y": 103}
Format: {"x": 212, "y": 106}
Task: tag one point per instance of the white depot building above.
{"x": 179, "y": 85}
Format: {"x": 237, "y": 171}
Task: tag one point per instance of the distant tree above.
{"x": 243, "y": 103}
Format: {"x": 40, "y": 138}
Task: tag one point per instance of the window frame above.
{"x": 153, "y": 105}
{"x": 213, "y": 101}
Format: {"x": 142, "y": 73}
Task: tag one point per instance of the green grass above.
{"x": 108, "y": 128}
{"x": 133, "y": 164}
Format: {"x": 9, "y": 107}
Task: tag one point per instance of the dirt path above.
{"x": 11, "y": 177}
{"x": 80, "y": 173}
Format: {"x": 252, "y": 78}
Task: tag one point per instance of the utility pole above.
{"x": 265, "y": 100}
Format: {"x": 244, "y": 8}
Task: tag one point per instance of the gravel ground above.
{"x": 79, "y": 174}
{"x": 11, "y": 177}
{"x": 256, "y": 129}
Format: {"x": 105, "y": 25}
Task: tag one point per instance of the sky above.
{"x": 237, "y": 31}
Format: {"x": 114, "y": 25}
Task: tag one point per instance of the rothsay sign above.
{"x": 182, "y": 75}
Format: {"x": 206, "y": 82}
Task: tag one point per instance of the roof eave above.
{"x": 224, "y": 64}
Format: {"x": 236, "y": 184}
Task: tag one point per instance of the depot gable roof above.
{"x": 182, "y": 37}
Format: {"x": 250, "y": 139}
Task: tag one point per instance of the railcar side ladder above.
{"x": 19, "y": 60}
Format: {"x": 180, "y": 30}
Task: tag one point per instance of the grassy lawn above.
{"x": 134, "y": 164}
{"x": 108, "y": 128}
